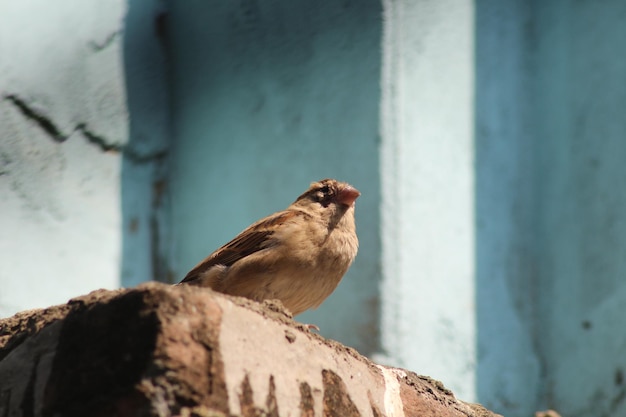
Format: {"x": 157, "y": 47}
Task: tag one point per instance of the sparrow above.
{"x": 297, "y": 256}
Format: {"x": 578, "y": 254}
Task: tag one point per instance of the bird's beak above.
{"x": 348, "y": 195}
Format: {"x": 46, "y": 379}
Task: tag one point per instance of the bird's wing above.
{"x": 253, "y": 239}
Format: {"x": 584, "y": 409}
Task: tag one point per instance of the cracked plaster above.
{"x": 64, "y": 119}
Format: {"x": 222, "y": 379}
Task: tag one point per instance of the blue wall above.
{"x": 267, "y": 97}
{"x": 145, "y": 243}
{"x": 551, "y": 206}
{"x": 580, "y": 97}
{"x": 508, "y": 366}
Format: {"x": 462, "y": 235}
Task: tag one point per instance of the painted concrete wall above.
{"x": 62, "y": 123}
{"x": 145, "y": 232}
{"x": 267, "y": 97}
{"x": 551, "y": 218}
{"x": 580, "y": 92}
{"x": 508, "y": 370}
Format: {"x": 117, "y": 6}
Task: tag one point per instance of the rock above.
{"x": 160, "y": 350}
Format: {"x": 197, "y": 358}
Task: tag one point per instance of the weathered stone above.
{"x": 160, "y": 350}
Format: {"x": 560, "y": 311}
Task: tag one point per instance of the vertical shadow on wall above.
{"x": 508, "y": 369}
{"x": 144, "y": 185}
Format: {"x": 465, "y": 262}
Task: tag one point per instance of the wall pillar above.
{"x": 427, "y": 171}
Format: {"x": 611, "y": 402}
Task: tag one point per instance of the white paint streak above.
{"x": 393, "y": 401}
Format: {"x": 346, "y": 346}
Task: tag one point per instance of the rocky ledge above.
{"x": 160, "y": 350}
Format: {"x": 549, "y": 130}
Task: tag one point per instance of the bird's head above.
{"x": 329, "y": 193}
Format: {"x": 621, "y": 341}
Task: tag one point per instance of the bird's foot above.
{"x": 311, "y": 327}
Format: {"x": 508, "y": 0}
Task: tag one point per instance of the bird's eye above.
{"x": 323, "y": 195}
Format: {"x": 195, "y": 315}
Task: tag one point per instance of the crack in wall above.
{"x": 98, "y": 140}
{"x": 41, "y": 120}
{"x": 108, "y": 41}
{"x": 142, "y": 158}
{"x": 55, "y": 133}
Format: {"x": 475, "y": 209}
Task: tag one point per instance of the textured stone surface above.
{"x": 162, "y": 350}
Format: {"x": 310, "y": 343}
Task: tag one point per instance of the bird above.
{"x": 298, "y": 255}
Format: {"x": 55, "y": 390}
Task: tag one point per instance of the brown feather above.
{"x": 253, "y": 239}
